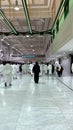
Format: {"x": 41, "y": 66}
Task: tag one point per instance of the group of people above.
{"x": 50, "y": 70}
{"x": 10, "y": 70}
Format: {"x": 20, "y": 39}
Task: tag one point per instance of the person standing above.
{"x": 72, "y": 68}
{"x": 20, "y": 68}
{"x": 14, "y": 72}
{"x": 30, "y": 68}
{"x": 7, "y": 72}
{"x": 59, "y": 70}
{"x": 36, "y": 71}
{"x": 49, "y": 69}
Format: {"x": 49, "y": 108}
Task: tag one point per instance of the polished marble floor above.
{"x": 44, "y": 106}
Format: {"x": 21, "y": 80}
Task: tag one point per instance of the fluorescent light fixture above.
{"x": 31, "y": 45}
{"x": 11, "y": 54}
{"x": 27, "y": 35}
{"x": 16, "y": 6}
{"x": 2, "y": 39}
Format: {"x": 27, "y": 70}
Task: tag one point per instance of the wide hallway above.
{"x": 29, "y": 106}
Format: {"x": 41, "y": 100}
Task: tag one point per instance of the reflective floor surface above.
{"x": 29, "y": 106}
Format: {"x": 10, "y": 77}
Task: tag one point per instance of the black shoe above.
{"x": 36, "y": 82}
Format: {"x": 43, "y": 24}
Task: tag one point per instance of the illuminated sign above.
{"x": 29, "y": 56}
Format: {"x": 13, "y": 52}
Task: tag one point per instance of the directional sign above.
{"x": 29, "y": 56}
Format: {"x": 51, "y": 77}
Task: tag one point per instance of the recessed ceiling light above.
{"x": 12, "y": 47}
{"x": 2, "y": 39}
{"x": 27, "y": 35}
{"x": 31, "y": 45}
{"x": 33, "y": 50}
{"x": 16, "y": 6}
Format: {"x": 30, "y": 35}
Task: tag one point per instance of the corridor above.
{"x": 29, "y": 106}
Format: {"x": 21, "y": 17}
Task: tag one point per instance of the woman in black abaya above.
{"x": 36, "y": 71}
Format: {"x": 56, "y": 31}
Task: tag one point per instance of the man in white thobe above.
{"x": 7, "y": 74}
